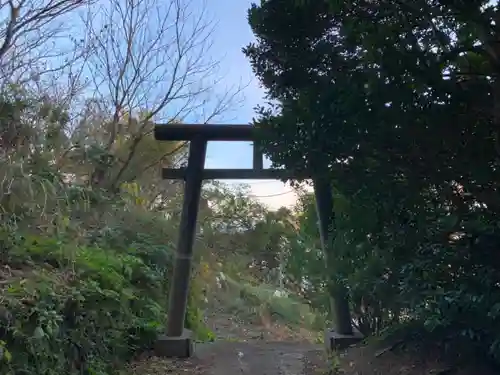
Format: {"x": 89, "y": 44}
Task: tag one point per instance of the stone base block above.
{"x": 338, "y": 341}
{"x": 175, "y": 347}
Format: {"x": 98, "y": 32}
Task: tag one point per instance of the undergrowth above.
{"x": 73, "y": 309}
{"x": 248, "y": 300}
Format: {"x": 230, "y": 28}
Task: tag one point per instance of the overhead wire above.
{"x": 271, "y": 195}
{"x": 262, "y": 182}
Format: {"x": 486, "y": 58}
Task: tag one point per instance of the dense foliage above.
{"x": 398, "y": 103}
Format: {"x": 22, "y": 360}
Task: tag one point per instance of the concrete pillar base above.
{"x": 175, "y": 347}
{"x": 338, "y": 341}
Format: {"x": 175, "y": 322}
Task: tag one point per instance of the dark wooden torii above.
{"x": 178, "y": 341}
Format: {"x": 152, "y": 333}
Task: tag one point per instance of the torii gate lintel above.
{"x": 177, "y": 342}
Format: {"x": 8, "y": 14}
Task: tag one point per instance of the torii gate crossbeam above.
{"x": 178, "y": 342}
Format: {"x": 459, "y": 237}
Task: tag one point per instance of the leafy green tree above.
{"x": 399, "y": 101}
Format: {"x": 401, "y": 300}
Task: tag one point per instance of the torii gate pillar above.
{"x": 343, "y": 333}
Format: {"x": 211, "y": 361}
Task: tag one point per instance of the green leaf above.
{"x": 38, "y": 333}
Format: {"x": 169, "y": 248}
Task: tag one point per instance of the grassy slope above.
{"x": 70, "y": 309}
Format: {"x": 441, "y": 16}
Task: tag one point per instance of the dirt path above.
{"x": 256, "y": 358}
{"x": 261, "y": 348}
{"x": 240, "y": 349}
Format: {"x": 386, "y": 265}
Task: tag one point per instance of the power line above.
{"x": 271, "y": 195}
{"x": 261, "y": 182}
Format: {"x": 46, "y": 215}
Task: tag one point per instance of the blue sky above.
{"x": 232, "y": 33}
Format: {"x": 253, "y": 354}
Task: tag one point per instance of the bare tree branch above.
{"x": 32, "y": 34}
{"x": 152, "y": 61}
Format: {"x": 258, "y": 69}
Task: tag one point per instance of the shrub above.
{"x": 72, "y": 309}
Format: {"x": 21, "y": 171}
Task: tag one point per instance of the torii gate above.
{"x": 177, "y": 342}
